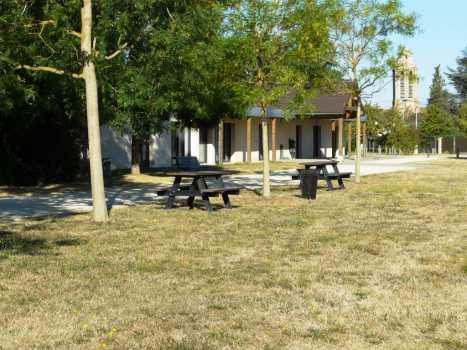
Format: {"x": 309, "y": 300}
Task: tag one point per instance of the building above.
{"x": 320, "y": 135}
{"x": 405, "y": 84}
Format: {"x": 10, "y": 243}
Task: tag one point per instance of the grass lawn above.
{"x": 148, "y": 176}
{"x": 381, "y": 265}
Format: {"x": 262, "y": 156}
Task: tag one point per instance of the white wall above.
{"x": 160, "y": 150}
{"x": 118, "y": 148}
{"x": 285, "y": 131}
{"x": 115, "y": 147}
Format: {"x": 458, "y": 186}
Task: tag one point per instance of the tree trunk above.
{"x": 135, "y": 156}
{"x": 99, "y": 204}
{"x": 357, "y": 145}
{"x": 84, "y": 150}
{"x": 264, "y": 122}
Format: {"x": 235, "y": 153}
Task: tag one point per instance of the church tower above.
{"x": 405, "y": 84}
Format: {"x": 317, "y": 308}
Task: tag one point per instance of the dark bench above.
{"x": 161, "y": 191}
{"x": 189, "y": 163}
{"x": 214, "y": 192}
{"x": 339, "y": 175}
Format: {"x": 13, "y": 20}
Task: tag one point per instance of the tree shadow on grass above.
{"x": 14, "y": 243}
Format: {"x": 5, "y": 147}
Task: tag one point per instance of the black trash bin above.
{"x": 107, "y": 170}
{"x": 309, "y": 183}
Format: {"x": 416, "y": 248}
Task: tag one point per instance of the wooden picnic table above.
{"x": 324, "y": 174}
{"x": 198, "y": 188}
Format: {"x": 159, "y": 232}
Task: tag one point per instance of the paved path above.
{"x": 62, "y": 203}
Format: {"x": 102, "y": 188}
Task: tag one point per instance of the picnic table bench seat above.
{"x": 161, "y": 191}
{"x": 339, "y": 175}
{"x": 189, "y": 163}
{"x": 214, "y": 192}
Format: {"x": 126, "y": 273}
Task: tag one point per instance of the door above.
{"x": 203, "y": 145}
{"x": 178, "y": 142}
{"x": 316, "y": 141}
{"x": 144, "y": 154}
{"x": 298, "y": 138}
{"x": 227, "y": 135}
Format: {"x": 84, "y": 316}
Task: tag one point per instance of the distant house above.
{"x": 240, "y": 140}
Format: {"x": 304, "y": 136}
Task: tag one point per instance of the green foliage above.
{"x": 436, "y": 122}
{"x": 40, "y": 134}
{"x": 361, "y": 36}
{"x": 460, "y": 119}
{"x": 171, "y": 72}
{"x": 272, "y": 48}
{"x": 439, "y": 96}
{"x": 405, "y": 138}
{"x": 458, "y": 76}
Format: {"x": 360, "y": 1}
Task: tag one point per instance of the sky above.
{"x": 443, "y": 37}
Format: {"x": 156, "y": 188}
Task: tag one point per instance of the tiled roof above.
{"x": 324, "y": 104}
{"x": 331, "y": 104}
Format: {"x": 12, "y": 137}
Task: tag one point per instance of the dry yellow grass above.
{"x": 381, "y": 265}
{"x": 149, "y": 176}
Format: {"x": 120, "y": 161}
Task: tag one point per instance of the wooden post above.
{"x": 333, "y": 138}
{"x": 341, "y": 137}
{"x": 273, "y": 141}
{"x": 221, "y": 140}
{"x": 364, "y": 139}
{"x": 248, "y": 139}
{"x": 349, "y": 139}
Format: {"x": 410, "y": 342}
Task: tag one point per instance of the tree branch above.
{"x": 48, "y": 69}
{"x": 116, "y": 53}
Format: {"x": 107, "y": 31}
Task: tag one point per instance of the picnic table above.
{"x": 198, "y": 188}
{"x": 324, "y": 174}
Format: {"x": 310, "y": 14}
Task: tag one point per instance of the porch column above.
{"x": 349, "y": 139}
{"x": 248, "y": 139}
{"x": 364, "y": 139}
{"x": 273, "y": 141}
{"x": 333, "y": 138}
{"x": 221, "y": 140}
{"x": 341, "y": 137}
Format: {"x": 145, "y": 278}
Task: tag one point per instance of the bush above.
{"x": 404, "y": 138}
{"x": 39, "y": 139}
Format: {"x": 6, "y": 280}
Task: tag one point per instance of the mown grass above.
{"x": 381, "y": 265}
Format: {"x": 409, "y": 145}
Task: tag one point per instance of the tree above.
{"x": 404, "y": 137}
{"x": 40, "y": 134}
{"x": 436, "y": 123}
{"x": 44, "y": 39}
{"x": 458, "y": 76}
{"x": 365, "y": 54}
{"x": 274, "y": 48}
{"x": 439, "y": 96}
{"x": 169, "y": 73}
{"x": 460, "y": 120}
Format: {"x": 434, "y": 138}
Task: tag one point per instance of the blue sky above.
{"x": 444, "y": 36}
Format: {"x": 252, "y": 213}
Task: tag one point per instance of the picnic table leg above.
{"x": 339, "y": 179}
{"x": 191, "y": 199}
{"x": 225, "y": 196}
{"x": 341, "y": 183}
{"x": 201, "y": 183}
{"x": 328, "y": 180}
{"x": 175, "y": 186}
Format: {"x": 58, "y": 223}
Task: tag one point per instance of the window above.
{"x": 402, "y": 85}
{"x": 410, "y": 85}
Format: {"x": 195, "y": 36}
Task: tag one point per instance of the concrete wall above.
{"x": 118, "y": 148}
{"x": 115, "y": 147}
{"x": 285, "y": 131}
